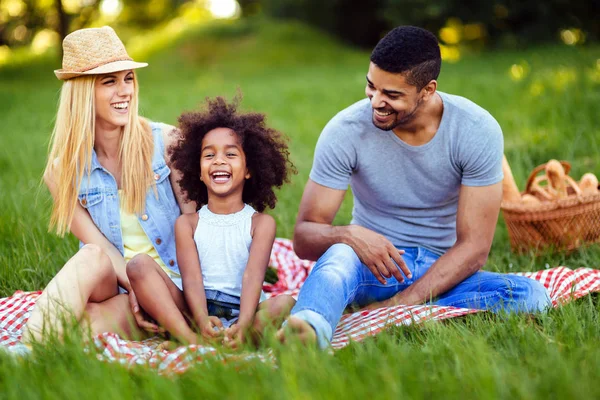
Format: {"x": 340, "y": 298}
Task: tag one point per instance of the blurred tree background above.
{"x": 40, "y": 24}
{"x": 495, "y": 22}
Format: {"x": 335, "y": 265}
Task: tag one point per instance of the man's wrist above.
{"x": 344, "y": 234}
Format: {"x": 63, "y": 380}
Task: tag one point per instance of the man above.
{"x": 425, "y": 169}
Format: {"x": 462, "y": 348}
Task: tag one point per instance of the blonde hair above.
{"x": 71, "y": 148}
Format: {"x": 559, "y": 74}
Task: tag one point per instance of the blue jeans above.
{"x": 339, "y": 279}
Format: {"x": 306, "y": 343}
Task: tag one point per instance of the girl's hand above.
{"x": 234, "y": 336}
{"x": 139, "y": 316}
{"x": 211, "y": 328}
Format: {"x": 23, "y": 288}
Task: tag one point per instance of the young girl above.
{"x": 230, "y": 164}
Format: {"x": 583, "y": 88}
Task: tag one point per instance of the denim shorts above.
{"x": 223, "y": 306}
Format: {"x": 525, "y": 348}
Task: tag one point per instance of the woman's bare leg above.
{"x": 113, "y": 315}
{"x": 87, "y": 276}
{"x": 160, "y": 297}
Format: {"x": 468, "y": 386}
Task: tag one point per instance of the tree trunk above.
{"x": 249, "y": 7}
{"x": 63, "y": 23}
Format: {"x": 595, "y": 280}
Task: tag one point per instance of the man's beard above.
{"x": 406, "y": 118}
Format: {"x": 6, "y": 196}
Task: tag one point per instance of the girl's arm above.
{"x": 189, "y": 267}
{"x": 263, "y": 236}
{"x": 170, "y": 137}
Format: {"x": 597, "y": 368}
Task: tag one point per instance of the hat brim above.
{"x": 114, "y": 66}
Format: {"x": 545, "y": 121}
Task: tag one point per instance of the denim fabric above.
{"x": 99, "y": 196}
{"x": 339, "y": 279}
{"x": 223, "y": 306}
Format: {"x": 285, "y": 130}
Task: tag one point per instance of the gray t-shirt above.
{"x": 409, "y": 194}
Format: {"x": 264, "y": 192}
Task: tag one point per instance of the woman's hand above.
{"x": 138, "y": 314}
{"x": 211, "y": 328}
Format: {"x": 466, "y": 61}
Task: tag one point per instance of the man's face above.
{"x": 394, "y": 101}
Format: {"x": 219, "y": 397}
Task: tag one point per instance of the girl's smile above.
{"x": 223, "y": 163}
{"x": 220, "y": 176}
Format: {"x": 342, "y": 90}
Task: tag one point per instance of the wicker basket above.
{"x": 558, "y": 224}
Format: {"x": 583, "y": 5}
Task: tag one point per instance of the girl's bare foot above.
{"x": 167, "y": 345}
{"x": 297, "y": 329}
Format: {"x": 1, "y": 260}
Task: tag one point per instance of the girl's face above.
{"x": 223, "y": 163}
{"x": 113, "y": 93}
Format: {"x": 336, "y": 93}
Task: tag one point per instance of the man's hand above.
{"x": 378, "y": 254}
{"x": 139, "y": 316}
{"x": 211, "y": 328}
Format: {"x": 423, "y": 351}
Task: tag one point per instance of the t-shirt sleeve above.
{"x": 335, "y": 156}
{"x": 481, "y": 157}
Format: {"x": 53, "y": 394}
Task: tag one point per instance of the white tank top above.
{"x": 223, "y": 243}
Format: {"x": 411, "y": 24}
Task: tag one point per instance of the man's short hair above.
{"x": 411, "y": 51}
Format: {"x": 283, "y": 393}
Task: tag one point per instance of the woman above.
{"x": 109, "y": 175}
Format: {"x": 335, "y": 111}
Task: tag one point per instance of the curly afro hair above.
{"x": 412, "y": 51}
{"x": 266, "y": 150}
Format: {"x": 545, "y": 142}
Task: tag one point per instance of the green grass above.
{"x": 300, "y": 79}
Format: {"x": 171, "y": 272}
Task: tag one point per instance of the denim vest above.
{"x": 99, "y": 196}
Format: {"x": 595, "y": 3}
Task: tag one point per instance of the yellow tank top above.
{"x": 135, "y": 240}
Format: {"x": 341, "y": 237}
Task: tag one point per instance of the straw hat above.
{"x": 94, "y": 51}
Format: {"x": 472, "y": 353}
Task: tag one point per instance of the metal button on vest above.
{"x": 156, "y": 177}
{"x": 145, "y": 217}
{"x": 84, "y": 202}
{"x": 158, "y": 241}
{"x": 171, "y": 263}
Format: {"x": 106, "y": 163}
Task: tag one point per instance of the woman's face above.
{"x": 113, "y": 94}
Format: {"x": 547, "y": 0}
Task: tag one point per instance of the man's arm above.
{"x": 314, "y": 234}
{"x": 476, "y": 219}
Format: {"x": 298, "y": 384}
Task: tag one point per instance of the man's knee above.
{"x": 530, "y": 295}
{"x": 339, "y": 265}
{"x": 340, "y": 254}
{"x": 138, "y": 266}
{"x": 539, "y": 298}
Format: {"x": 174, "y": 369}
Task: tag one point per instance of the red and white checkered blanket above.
{"x": 563, "y": 284}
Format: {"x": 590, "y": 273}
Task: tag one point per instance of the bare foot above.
{"x": 167, "y": 345}
{"x": 297, "y": 329}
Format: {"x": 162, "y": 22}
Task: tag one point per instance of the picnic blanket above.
{"x": 563, "y": 284}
